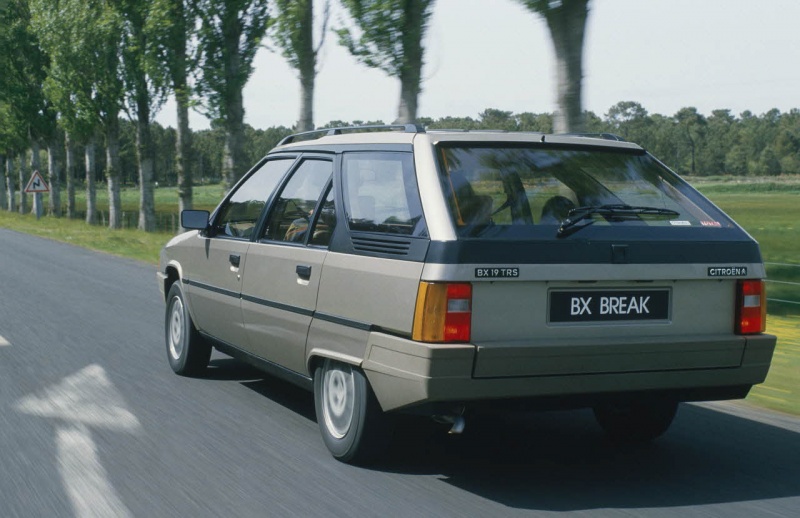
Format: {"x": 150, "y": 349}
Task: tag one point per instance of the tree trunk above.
{"x": 112, "y": 174}
{"x": 71, "y": 166}
{"x": 54, "y": 146}
{"x": 234, "y": 135}
{"x": 233, "y": 109}
{"x": 411, "y": 69}
{"x": 307, "y": 80}
{"x": 23, "y": 197}
{"x": 4, "y": 195}
{"x": 183, "y": 145}
{"x": 10, "y": 187}
{"x": 567, "y": 25}
{"x": 91, "y": 190}
{"x": 36, "y": 165}
{"x": 145, "y": 155}
{"x": 407, "y": 112}
{"x": 307, "y": 67}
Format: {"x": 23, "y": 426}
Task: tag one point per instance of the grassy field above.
{"x": 768, "y": 209}
{"x": 781, "y": 391}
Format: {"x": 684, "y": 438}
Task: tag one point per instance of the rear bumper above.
{"x": 404, "y": 373}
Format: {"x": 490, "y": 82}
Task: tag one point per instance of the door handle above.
{"x": 235, "y": 260}
{"x": 303, "y": 271}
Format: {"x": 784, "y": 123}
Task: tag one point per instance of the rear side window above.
{"x": 522, "y": 186}
{"x": 380, "y": 193}
{"x": 240, "y": 213}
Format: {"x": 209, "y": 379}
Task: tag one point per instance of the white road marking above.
{"x": 85, "y": 480}
{"x": 4, "y": 342}
{"x": 86, "y": 398}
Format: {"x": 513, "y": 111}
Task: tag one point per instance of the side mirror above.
{"x": 194, "y": 219}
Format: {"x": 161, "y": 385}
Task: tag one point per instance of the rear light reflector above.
{"x": 751, "y": 307}
{"x": 443, "y": 312}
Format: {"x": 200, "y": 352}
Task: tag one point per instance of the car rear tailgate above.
{"x": 537, "y": 328}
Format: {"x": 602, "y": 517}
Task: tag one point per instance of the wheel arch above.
{"x": 173, "y": 274}
{"x": 317, "y": 355}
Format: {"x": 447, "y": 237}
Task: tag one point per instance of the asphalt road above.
{"x": 94, "y": 423}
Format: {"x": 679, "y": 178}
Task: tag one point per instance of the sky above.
{"x": 665, "y": 54}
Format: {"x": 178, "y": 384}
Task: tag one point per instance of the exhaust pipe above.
{"x": 455, "y": 419}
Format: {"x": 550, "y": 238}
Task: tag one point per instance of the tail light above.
{"x": 443, "y": 312}
{"x": 751, "y": 307}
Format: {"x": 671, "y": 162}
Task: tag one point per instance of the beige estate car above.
{"x": 396, "y": 270}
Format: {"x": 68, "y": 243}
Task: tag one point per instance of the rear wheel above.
{"x": 187, "y": 352}
{"x": 353, "y": 426}
{"x": 638, "y": 421}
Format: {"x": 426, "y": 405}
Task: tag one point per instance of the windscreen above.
{"x": 535, "y": 187}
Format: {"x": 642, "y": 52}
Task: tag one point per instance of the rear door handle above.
{"x": 303, "y": 271}
{"x": 235, "y": 260}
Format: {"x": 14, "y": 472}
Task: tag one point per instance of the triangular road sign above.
{"x": 36, "y": 184}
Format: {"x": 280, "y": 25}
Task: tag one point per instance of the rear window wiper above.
{"x": 614, "y": 212}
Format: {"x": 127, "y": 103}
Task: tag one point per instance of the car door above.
{"x": 214, "y": 271}
{"x": 282, "y": 278}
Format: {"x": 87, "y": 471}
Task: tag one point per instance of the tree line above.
{"x": 86, "y": 73}
{"x": 80, "y": 81}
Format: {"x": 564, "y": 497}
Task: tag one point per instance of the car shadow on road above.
{"x": 560, "y": 461}
{"x": 281, "y": 392}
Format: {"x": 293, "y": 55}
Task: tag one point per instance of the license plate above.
{"x": 609, "y": 305}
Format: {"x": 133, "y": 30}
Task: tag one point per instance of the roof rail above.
{"x": 604, "y": 136}
{"x": 326, "y": 132}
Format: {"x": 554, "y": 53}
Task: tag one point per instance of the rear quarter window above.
{"x": 381, "y": 194}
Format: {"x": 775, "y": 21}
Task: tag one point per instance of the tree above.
{"x": 293, "y": 32}
{"x": 61, "y": 27}
{"x": 631, "y": 121}
{"x": 24, "y": 65}
{"x": 171, "y": 26}
{"x": 12, "y": 143}
{"x": 566, "y": 20}
{"x": 388, "y": 35}
{"x": 143, "y": 96}
{"x": 692, "y": 126}
{"x": 229, "y": 35}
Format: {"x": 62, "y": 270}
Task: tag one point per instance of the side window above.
{"x": 326, "y": 221}
{"x": 380, "y": 193}
{"x": 292, "y": 211}
{"x": 239, "y": 216}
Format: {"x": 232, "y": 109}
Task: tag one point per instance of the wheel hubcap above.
{"x": 176, "y": 329}
{"x": 337, "y": 400}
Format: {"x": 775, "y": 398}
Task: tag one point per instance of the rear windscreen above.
{"x": 524, "y": 186}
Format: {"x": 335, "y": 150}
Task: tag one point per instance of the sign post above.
{"x": 36, "y": 186}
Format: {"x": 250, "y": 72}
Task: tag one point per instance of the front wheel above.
{"x": 353, "y": 426}
{"x": 187, "y": 352}
{"x": 639, "y": 421}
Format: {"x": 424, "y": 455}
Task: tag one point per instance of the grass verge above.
{"x": 124, "y": 243}
{"x": 781, "y": 390}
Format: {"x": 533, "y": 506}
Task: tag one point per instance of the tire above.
{"x": 188, "y": 352}
{"x": 639, "y": 421}
{"x": 353, "y": 426}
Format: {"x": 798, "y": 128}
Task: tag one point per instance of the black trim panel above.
{"x": 208, "y": 287}
{"x": 643, "y": 247}
{"x": 355, "y": 324}
{"x": 278, "y": 305}
{"x": 273, "y": 369}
